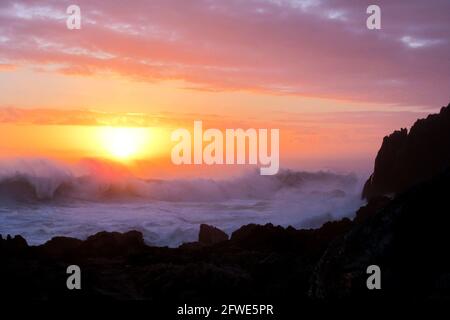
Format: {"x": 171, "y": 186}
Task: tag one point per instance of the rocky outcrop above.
{"x": 408, "y": 240}
{"x": 102, "y": 244}
{"x": 371, "y": 208}
{"x": 211, "y": 235}
{"x": 406, "y": 159}
{"x": 113, "y": 244}
{"x": 13, "y": 245}
{"x": 267, "y": 261}
{"x": 309, "y": 243}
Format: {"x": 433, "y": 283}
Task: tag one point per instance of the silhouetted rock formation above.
{"x": 408, "y": 239}
{"x": 270, "y": 238}
{"x": 371, "y": 208}
{"x": 258, "y": 261}
{"x": 13, "y": 245}
{"x": 407, "y": 159}
{"x": 211, "y": 235}
{"x": 113, "y": 244}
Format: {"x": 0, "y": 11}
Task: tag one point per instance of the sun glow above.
{"x": 125, "y": 143}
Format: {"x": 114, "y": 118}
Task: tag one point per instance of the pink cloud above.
{"x": 309, "y": 48}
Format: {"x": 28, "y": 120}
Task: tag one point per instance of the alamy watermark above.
{"x": 73, "y": 21}
{"x": 373, "y": 22}
{"x": 374, "y": 280}
{"x": 74, "y": 279}
{"x": 227, "y": 148}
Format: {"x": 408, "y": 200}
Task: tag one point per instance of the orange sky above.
{"x": 148, "y": 69}
{"x": 309, "y": 140}
{"x": 66, "y": 117}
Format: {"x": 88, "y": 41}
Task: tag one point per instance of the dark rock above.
{"x": 260, "y": 262}
{"x": 267, "y": 237}
{"x": 408, "y": 239}
{"x": 309, "y": 243}
{"x": 371, "y": 208}
{"x": 405, "y": 160}
{"x": 192, "y": 245}
{"x": 113, "y": 244}
{"x": 211, "y": 235}
{"x": 18, "y": 243}
{"x": 59, "y": 246}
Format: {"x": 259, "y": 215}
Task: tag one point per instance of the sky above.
{"x": 310, "y": 68}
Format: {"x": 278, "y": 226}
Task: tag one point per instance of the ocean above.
{"x": 40, "y": 199}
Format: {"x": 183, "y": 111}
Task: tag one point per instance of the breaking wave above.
{"x": 41, "y": 180}
{"x": 41, "y": 199}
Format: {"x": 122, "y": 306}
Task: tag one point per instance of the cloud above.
{"x": 86, "y": 117}
{"x": 78, "y": 117}
{"x": 301, "y": 47}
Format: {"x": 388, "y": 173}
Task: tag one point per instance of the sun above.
{"x": 124, "y": 143}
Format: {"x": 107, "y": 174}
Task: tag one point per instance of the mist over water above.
{"x": 40, "y": 199}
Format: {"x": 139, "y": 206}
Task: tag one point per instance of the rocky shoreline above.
{"x": 256, "y": 262}
{"x": 406, "y": 234}
{"x": 407, "y": 237}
